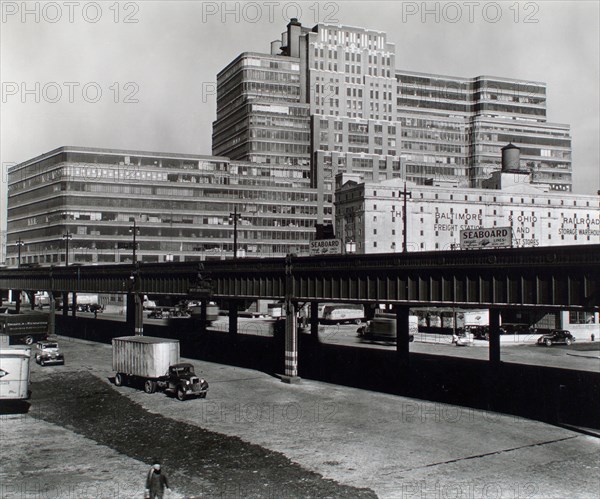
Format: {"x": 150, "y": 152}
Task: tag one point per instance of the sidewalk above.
{"x": 395, "y": 446}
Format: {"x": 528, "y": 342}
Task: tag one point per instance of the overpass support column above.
{"x": 52, "y": 314}
{"x": 74, "y": 311}
{"x": 31, "y": 295}
{"x": 65, "y": 309}
{"x": 314, "y": 319}
{"x": 291, "y": 344}
{"x": 203, "y": 304}
{"x": 139, "y": 314}
{"x": 233, "y": 318}
{"x": 17, "y": 300}
{"x": 130, "y": 312}
{"x": 494, "y": 336}
{"x": 402, "y": 336}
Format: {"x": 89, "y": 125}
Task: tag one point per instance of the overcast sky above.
{"x": 155, "y": 64}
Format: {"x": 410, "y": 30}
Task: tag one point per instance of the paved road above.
{"x": 324, "y": 438}
{"x": 581, "y": 356}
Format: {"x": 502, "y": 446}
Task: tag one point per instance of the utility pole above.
{"x": 233, "y": 217}
{"x": 404, "y": 217}
{"x": 66, "y": 238}
{"x": 19, "y": 243}
{"x": 135, "y": 230}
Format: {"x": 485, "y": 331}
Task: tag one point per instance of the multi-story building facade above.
{"x": 453, "y": 129}
{"x": 370, "y": 218}
{"x": 370, "y": 215}
{"x": 183, "y": 206}
{"x": 368, "y": 117}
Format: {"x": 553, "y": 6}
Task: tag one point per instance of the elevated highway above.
{"x": 549, "y": 278}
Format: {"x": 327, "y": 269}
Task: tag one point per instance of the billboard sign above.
{"x": 497, "y": 237}
{"x": 326, "y": 247}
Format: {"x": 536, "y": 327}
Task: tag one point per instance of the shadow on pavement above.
{"x": 552, "y": 395}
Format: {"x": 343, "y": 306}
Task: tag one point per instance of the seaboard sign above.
{"x": 498, "y": 237}
{"x": 326, "y": 247}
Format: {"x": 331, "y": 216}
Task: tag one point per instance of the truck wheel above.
{"x": 119, "y": 379}
{"x": 28, "y": 340}
{"x": 180, "y": 394}
{"x": 149, "y": 386}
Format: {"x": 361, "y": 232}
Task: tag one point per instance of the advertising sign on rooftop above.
{"x": 326, "y": 247}
{"x": 497, "y": 237}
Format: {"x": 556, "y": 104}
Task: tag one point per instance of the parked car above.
{"x": 555, "y": 337}
{"x": 165, "y": 313}
{"x": 48, "y": 352}
{"x": 480, "y": 332}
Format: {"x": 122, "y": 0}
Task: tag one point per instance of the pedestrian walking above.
{"x": 156, "y": 481}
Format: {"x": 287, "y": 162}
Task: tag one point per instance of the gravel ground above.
{"x": 202, "y": 463}
{"x": 256, "y": 437}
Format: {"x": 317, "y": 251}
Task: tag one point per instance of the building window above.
{"x": 374, "y": 244}
{"x": 577, "y": 317}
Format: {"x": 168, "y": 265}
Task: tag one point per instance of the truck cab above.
{"x": 183, "y": 382}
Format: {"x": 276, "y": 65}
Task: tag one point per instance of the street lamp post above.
{"x": 234, "y": 217}
{"x": 134, "y": 229}
{"x": 19, "y": 243}
{"x": 66, "y": 238}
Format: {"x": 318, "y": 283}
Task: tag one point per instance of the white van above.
{"x": 336, "y": 313}
{"x": 14, "y": 373}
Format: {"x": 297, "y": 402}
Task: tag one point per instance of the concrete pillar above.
{"x": 402, "y": 335}
{"x": 65, "y": 310}
{"x": 17, "y": 300}
{"x": 31, "y": 296}
{"x": 130, "y": 312}
{"x": 139, "y": 315}
{"x": 233, "y": 317}
{"x": 314, "y": 319}
{"x": 203, "y": 304}
{"x": 494, "y": 342}
{"x": 74, "y": 311}
{"x": 52, "y": 314}
{"x": 1, "y": 297}
{"x": 291, "y": 344}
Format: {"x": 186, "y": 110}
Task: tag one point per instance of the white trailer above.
{"x": 14, "y": 373}
{"x": 155, "y": 362}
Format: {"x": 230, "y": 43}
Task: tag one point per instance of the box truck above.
{"x": 155, "y": 363}
{"x": 24, "y": 328}
{"x": 14, "y": 373}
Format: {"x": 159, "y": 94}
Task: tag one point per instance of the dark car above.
{"x": 556, "y": 337}
{"x": 480, "y": 332}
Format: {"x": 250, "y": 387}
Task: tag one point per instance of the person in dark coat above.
{"x": 156, "y": 482}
